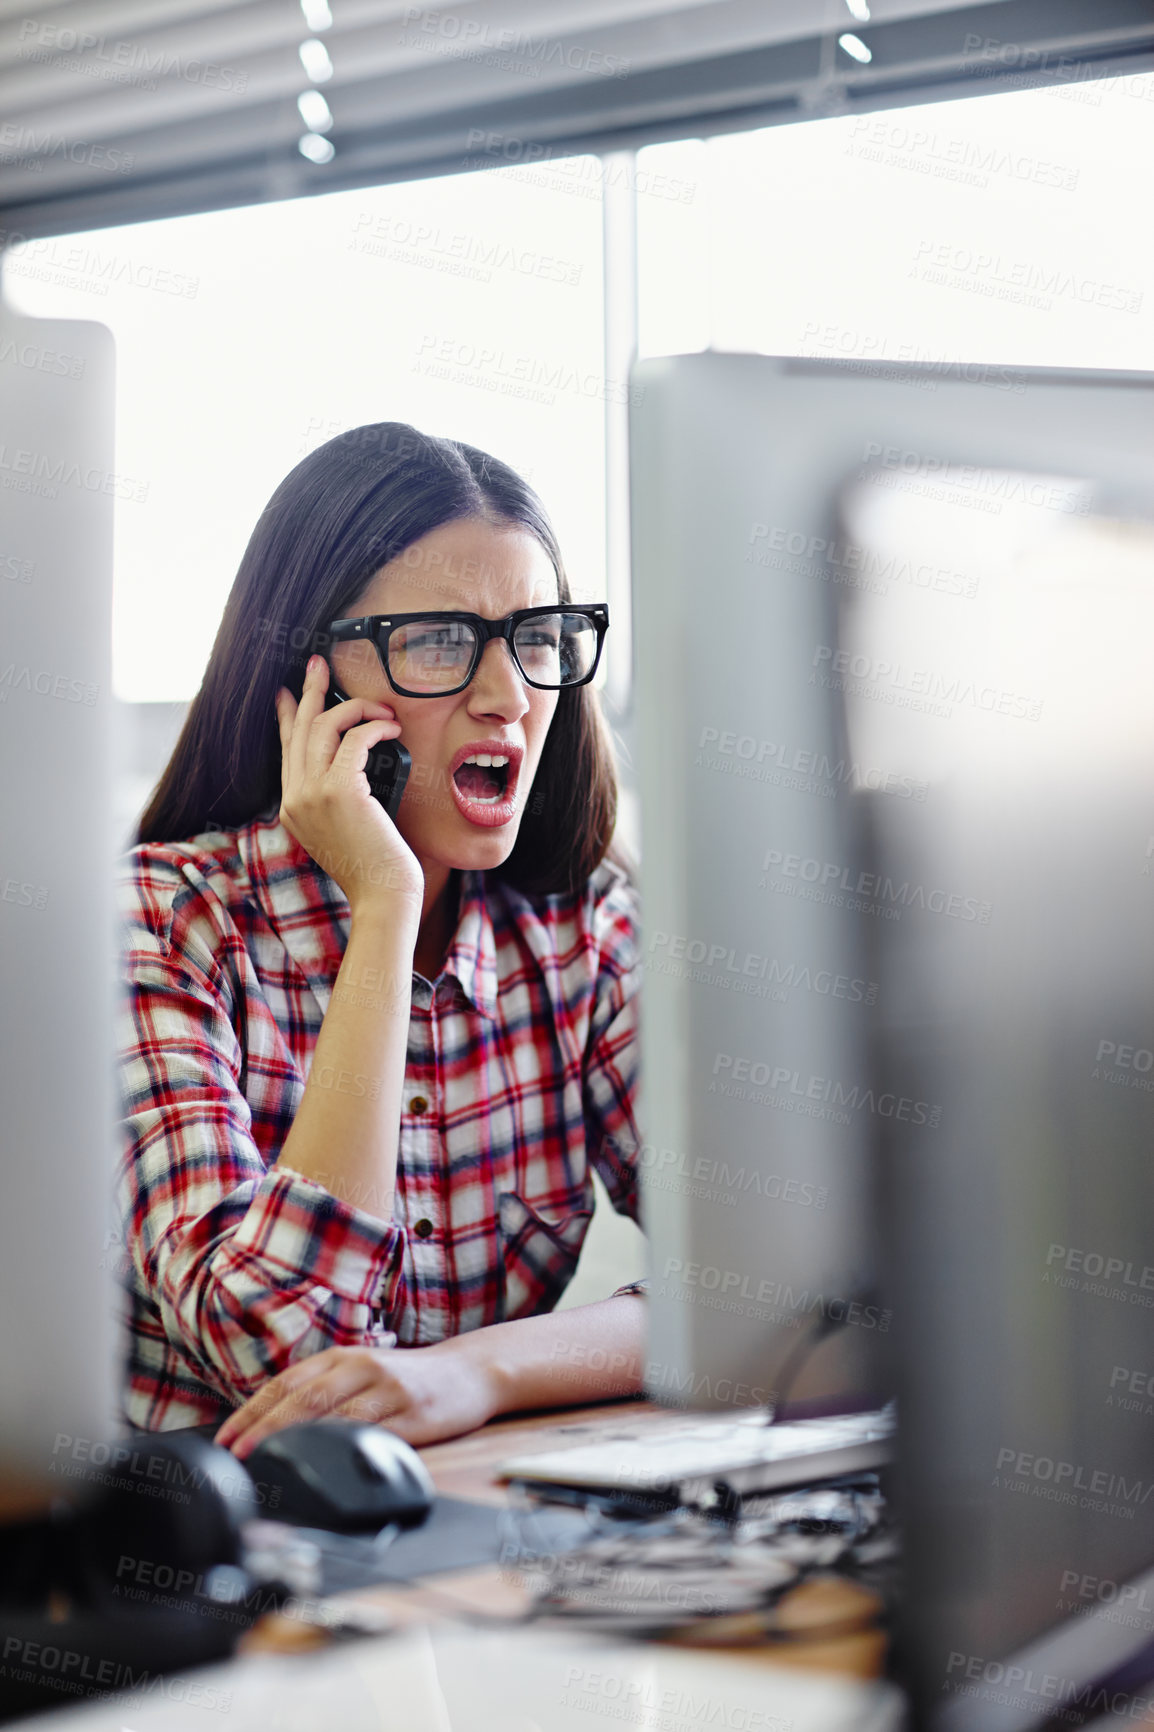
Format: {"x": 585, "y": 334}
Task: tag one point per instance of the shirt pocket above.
{"x": 539, "y": 1257}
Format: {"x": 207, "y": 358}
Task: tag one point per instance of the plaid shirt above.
{"x": 521, "y": 1074}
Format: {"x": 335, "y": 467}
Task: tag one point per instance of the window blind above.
{"x": 116, "y": 111}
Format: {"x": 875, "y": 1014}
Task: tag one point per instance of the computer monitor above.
{"x": 756, "y": 999}
{"x": 58, "y": 1373}
{"x": 1018, "y": 991}
{"x": 953, "y": 564}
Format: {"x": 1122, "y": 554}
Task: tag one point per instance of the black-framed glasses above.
{"x": 431, "y": 655}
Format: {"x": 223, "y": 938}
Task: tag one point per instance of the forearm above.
{"x": 346, "y": 1130}
{"x": 591, "y": 1353}
{"x": 426, "y": 1394}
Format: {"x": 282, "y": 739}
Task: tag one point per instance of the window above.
{"x": 470, "y": 306}
{"x": 1000, "y": 228}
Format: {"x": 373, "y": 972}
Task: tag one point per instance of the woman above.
{"x": 368, "y": 1066}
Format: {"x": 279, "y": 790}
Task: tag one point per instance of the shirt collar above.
{"x": 472, "y": 954}
{"x": 310, "y": 914}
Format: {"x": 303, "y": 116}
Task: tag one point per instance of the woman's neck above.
{"x": 438, "y": 920}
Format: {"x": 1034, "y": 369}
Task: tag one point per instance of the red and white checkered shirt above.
{"x": 521, "y": 1075}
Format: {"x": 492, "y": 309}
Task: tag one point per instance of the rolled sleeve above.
{"x": 612, "y": 1138}
{"x": 295, "y": 1227}
{"x": 250, "y": 1266}
{"x": 611, "y": 1134}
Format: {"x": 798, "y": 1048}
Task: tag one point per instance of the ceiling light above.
{"x": 316, "y": 148}
{"x": 859, "y": 8}
{"x": 855, "y": 48}
{"x": 315, "y": 111}
{"x": 315, "y": 60}
{"x": 318, "y": 16}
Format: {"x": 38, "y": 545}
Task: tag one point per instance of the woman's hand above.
{"x": 423, "y": 1394}
{"x": 326, "y": 803}
{"x": 587, "y": 1353}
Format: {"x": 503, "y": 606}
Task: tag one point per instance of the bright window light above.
{"x": 467, "y": 305}
{"x": 994, "y": 229}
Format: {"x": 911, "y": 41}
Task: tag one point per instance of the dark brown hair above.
{"x": 343, "y": 512}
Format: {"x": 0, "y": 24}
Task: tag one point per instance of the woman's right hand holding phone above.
{"x": 326, "y": 803}
{"x": 348, "y": 1141}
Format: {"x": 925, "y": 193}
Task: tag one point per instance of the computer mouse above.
{"x": 340, "y": 1474}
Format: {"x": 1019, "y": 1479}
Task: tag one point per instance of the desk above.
{"x": 437, "y": 1674}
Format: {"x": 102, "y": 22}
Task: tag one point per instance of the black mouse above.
{"x": 342, "y": 1475}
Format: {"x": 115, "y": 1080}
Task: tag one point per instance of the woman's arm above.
{"x": 424, "y": 1394}
{"x": 249, "y": 1266}
{"x": 347, "y": 1127}
{"x": 253, "y": 1266}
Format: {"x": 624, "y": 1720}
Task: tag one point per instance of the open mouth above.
{"x": 484, "y": 777}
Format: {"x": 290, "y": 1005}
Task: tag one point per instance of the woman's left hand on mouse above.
{"x": 423, "y": 1394}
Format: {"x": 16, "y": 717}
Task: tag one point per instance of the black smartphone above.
{"x": 387, "y": 767}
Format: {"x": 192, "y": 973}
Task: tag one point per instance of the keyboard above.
{"x": 694, "y": 1458}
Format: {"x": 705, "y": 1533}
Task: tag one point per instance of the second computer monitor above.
{"x": 982, "y": 850}
{"x": 756, "y": 999}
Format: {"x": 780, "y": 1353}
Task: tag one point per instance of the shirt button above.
{"x": 418, "y": 1104}
{"x": 423, "y": 1228}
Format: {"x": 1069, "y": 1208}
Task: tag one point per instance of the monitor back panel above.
{"x": 58, "y": 1248}
{"x": 755, "y": 998}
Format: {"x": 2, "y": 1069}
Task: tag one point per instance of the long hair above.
{"x": 343, "y": 512}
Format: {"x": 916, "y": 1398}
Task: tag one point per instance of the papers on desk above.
{"x": 686, "y": 1569}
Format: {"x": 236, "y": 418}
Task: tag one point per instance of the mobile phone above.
{"x": 387, "y": 767}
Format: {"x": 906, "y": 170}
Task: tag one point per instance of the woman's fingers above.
{"x": 325, "y": 799}
{"x": 286, "y": 709}
{"x": 347, "y": 1382}
{"x": 313, "y": 750}
{"x": 353, "y": 751}
{"x": 302, "y": 751}
{"x": 422, "y": 1394}
{"x": 310, "y": 749}
{"x": 270, "y": 1394}
{"x": 360, "y": 737}
{"x": 291, "y": 737}
{"x": 291, "y": 1407}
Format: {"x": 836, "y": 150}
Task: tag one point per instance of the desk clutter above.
{"x": 687, "y": 1571}
{"x": 672, "y": 1573}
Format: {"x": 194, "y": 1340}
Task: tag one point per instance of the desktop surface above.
{"x": 456, "y": 1675}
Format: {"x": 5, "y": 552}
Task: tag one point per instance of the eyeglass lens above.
{"x": 554, "y": 649}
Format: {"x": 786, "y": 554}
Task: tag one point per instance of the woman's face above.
{"x": 448, "y": 815}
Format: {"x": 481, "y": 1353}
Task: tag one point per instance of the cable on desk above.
{"x": 823, "y": 1325}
